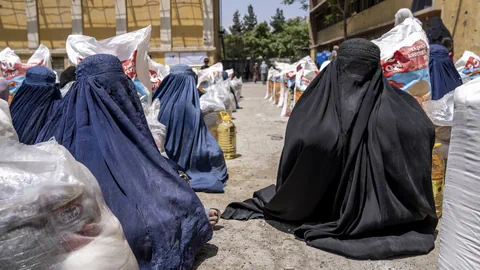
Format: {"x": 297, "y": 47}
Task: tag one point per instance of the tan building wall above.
{"x": 187, "y": 23}
{"x": 99, "y": 18}
{"x": 54, "y": 22}
{"x": 369, "y": 19}
{"x": 13, "y": 27}
{"x": 142, "y": 13}
{"x": 463, "y": 20}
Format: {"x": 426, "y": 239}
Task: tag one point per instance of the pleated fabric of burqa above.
{"x": 188, "y": 142}
{"x": 355, "y": 173}
{"x": 444, "y": 77}
{"x": 102, "y": 123}
{"x": 33, "y": 102}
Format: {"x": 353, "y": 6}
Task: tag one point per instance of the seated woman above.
{"x": 354, "y": 176}
{"x": 444, "y": 77}
{"x": 101, "y": 122}
{"x": 188, "y": 142}
{"x": 33, "y": 102}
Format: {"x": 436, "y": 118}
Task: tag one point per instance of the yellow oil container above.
{"x": 227, "y": 136}
{"x": 438, "y": 178}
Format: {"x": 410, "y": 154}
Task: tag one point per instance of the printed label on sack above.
{"x": 407, "y": 59}
{"x": 472, "y": 67}
{"x": 10, "y": 70}
{"x": 155, "y": 79}
{"x": 69, "y": 213}
{"x": 129, "y": 66}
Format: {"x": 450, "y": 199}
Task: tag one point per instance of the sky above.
{"x": 264, "y": 9}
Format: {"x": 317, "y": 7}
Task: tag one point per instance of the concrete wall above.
{"x": 462, "y": 19}
{"x": 187, "y": 23}
{"x": 99, "y": 18}
{"x": 54, "y": 22}
{"x": 13, "y": 24}
{"x": 371, "y": 18}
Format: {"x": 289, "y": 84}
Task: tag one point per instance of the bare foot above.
{"x": 213, "y": 216}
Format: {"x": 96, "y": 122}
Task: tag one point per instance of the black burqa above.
{"x": 68, "y": 75}
{"x": 355, "y": 172}
{"x": 437, "y": 31}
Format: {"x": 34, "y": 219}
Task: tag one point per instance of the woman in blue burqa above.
{"x": 188, "y": 141}
{"x": 444, "y": 77}
{"x": 33, "y": 102}
{"x": 101, "y": 122}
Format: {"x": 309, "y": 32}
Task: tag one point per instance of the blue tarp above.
{"x": 32, "y": 103}
{"x": 444, "y": 77}
{"x": 188, "y": 141}
{"x": 101, "y": 122}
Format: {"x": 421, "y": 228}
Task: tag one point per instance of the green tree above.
{"x": 250, "y": 19}
{"x": 292, "y": 40}
{"x": 237, "y": 26}
{"x": 303, "y": 3}
{"x": 337, "y": 8}
{"x": 278, "y": 20}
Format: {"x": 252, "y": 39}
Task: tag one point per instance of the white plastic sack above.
{"x": 158, "y": 129}
{"x": 14, "y": 70}
{"x": 441, "y": 111}
{"x": 131, "y": 48}
{"x": 52, "y": 212}
{"x": 210, "y": 75}
{"x": 459, "y": 235}
{"x": 237, "y": 86}
{"x": 468, "y": 66}
{"x": 405, "y": 56}
{"x": 209, "y": 101}
{"x": 229, "y": 73}
{"x": 157, "y": 73}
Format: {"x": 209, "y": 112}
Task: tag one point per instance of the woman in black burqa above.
{"x": 355, "y": 172}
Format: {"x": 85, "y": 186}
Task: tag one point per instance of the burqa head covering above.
{"x": 402, "y": 14}
{"x": 68, "y": 75}
{"x": 4, "y": 93}
{"x": 188, "y": 141}
{"x": 355, "y": 172}
{"x": 102, "y": 123}
{"x": 437, "y": 31}
{"x": 32, "y": 103}
{"x": 444, "y": 76}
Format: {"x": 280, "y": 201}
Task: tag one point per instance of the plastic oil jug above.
{"x": 226, "y": 133}
{"x": 438, "y": 178}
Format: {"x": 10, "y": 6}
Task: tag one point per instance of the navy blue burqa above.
{"x": 444, "y": 76}
{"x": 32, "y": 104}
{"x": 188, "y": 141}
{"x": 101, "y": 122}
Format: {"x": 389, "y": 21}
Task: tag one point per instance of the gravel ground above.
{"x": 255, "y": 244}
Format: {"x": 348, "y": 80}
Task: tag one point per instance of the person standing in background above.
{"x": 206, "y": 61}
{"x": 246, "y": 72}
{"x": 333, "y": 55}
{"x": 264, "y": 72}
{"x": 255, "y": 73}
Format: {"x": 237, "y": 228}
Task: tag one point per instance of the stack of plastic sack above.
{"x": 209, "y": 76}
{"x": 237, "y": 84}
{"x": 211, "y": 104}
{"x": 289, "y": 74}
{"x": 441, "y": 113}
{"x": 270, "y": 84}
{"x": 468, "y": 66}
{"x": 14, "y": 70}
{"x": 281, "y": 67}
{"x": 131, "y": 48}
{"x": 304, "y": 76}
{"x": 459, "y": 241}
{"x": 405, "y": 58}
{"x": 157, "y": 73}
{"x": 52, "y": 212}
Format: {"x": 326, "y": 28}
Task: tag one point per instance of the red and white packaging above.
{"x": 14, "y": 70}
{"x": 157, "y": 73}
{"x": 468, "y": 66}
{"x": 131, "y": 48}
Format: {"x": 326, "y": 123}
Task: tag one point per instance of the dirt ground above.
{"x": 255, "y": 244}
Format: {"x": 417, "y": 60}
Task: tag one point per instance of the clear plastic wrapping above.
{"x": 52, "y": 212}
{"x": 209, "y": 102}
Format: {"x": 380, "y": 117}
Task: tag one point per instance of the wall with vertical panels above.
{"x": 99, "y": 18}
{"x": 142, "y": 13}
{"x": 187, "y": 23}
{"x": 13, "y": 24}
{"x": 55, "y": 22}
